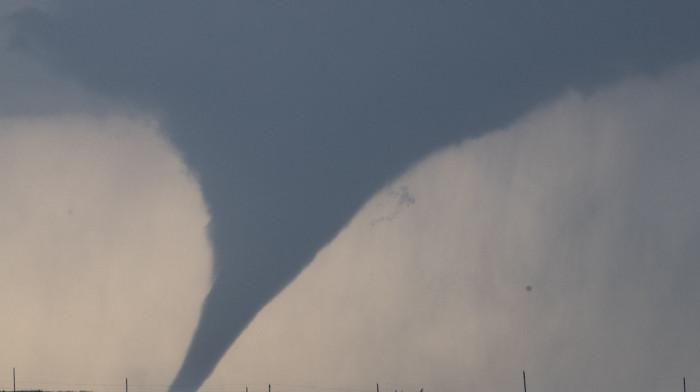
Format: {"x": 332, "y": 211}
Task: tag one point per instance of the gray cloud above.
{"x": 293, "y": 114}
{"x": 30, "y": 88}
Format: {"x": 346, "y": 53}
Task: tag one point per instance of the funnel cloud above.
{"x": 292, "y": 115}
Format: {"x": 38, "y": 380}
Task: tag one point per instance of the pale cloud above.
{"x": 105, "y": 256}
{"x": 590, "y": 200}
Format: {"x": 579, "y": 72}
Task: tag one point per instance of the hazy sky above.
{"x": 105, "y": 257}
{"x": 579, "y": 201}
{"x": 292, "y": 114}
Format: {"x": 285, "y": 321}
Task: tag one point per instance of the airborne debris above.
{"x": 404, "y": 200}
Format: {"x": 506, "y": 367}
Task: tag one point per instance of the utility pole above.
{"x": 524, "y": 382}
{"x": 683, "y": 384}
{"x": 14, "y": 382}
{"x": 126, "y": 384}
{"x": 377, "y": 387}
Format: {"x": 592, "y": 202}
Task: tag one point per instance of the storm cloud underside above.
{"x": 292, "y": 115}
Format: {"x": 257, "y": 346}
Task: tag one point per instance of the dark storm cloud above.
{"x": 292, "y": 114}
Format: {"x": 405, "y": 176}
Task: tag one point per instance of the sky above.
{"x": 289, "y": 117}
{"x": 563, "y": 244}
{"x": 104, "y": 242}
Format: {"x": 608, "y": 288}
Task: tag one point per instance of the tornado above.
{"x": 292, "y": 115}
